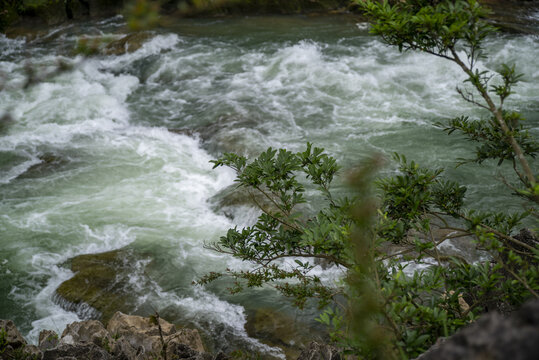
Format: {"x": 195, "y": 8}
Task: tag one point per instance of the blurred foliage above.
{"x": 142, "y": 14}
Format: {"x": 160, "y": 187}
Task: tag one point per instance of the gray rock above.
{"x": 90, "y": 331}
{"x": 48, "y": 339}
{"x": 143, "y": 332}
{"x": 493, "y": 337}
{"x": 32, "y": 351}
{"x": 79, "y": 351}
{"x": 14, "y": 337}
{"x": 316, "y": 351}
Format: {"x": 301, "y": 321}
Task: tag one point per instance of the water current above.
{"x": 87, "y": 163}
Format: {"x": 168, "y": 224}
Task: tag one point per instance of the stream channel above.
{"x": 88, "y": 163}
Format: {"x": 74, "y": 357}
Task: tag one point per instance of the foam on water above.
{"x": 117, "y": 178}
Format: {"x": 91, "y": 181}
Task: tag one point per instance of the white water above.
{"x": 118, "y": 178}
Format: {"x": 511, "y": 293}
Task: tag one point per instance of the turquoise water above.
{"x": 87, "y": 163}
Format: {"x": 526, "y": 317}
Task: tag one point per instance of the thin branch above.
{"x": 519, "y": 279}
{"x": 271, "y": 215}
{"x": 501, "y": 122}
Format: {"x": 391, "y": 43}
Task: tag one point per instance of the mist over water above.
{"x": 87, "y": 163}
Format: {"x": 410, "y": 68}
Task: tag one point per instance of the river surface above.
{"x": 87, "y": 163}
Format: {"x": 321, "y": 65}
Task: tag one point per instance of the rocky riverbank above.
{"x": 126, "y": 337}
{"x": 129, "y": 337}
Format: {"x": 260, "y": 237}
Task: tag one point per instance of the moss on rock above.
{"x": 99, "y": 282}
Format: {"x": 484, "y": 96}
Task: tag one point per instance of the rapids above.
{"x": 87, "y": 163}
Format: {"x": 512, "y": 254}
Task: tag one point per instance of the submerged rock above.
{"x": 49, "y": 163}
{"x": 277, "y": 329}
{"x": 99, "y": 284}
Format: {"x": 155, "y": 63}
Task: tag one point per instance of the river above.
{"x": 88, "y": 164}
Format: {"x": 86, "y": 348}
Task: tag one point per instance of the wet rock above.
{"x": 228, "y": 200}
{"x": 316, "y": 351}
{"x": 234, "y": 133}
{"x": 90, "y": 331}
{"x": 49, "y": 164}
{"x": 5, "y": 119}
{"x": 99, "y": 283}
{"x": 144, "y": 332}
{"x": 493, "y": 337}
{"x": 48, "y": 339}
{"x": 78, "y": 351}
{"x": 277, "y": 329}
{"x": 126, "y": 44}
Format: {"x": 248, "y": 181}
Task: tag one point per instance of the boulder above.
{"x": 493, "y": 337}
{"x": 15, "y": 346}
{"x": 275, "y": 328}
{"x": 316, "y": 351}
{"x": 82, "y": 332}
{"x": 122, "y": 350}
{"x": 48, "y": 339}
{"x": 98, "y": 288}
{"x": 127, "y": 44}
{"x": 79, "y": 351}
{"x": 13, "y": 337}
{"x": 135, "y": 338}
{"x": 144, "y": 332}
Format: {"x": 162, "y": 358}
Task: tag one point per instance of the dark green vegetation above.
{"x": 381, "y": 310}
{"x": 50, "y": 12}
{"x": 145, "y": 13}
